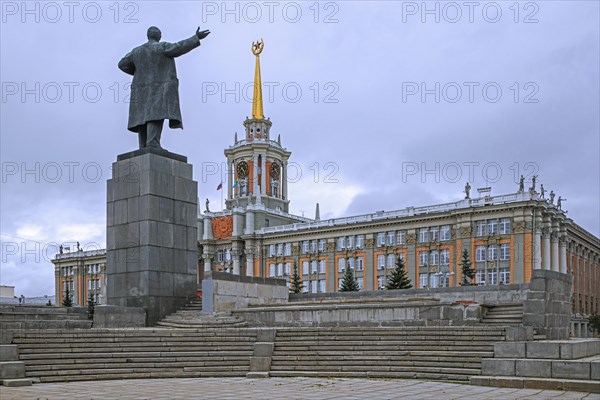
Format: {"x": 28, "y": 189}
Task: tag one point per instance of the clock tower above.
{"x": 257, "y": 165}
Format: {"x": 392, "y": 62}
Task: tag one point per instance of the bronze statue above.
{"x": 155, "y": 88}
{"x": 207, "y": 204}
{"x": 542, "y": 191}
{"x": 522, "y": 184}
{"x": 467, "y": 191}
{"x": 552, "y": 197}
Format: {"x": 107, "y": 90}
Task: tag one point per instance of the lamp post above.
{"x": 444, "y": 272}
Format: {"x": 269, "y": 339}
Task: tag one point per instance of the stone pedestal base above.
{"x": 152, "y": 252}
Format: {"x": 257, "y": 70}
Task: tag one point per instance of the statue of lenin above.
{"x": 155, "y": 88}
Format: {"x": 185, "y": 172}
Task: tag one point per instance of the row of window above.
{"x": 441, "y": 257}
{"x": 435, "y": 233}
{"x": 354, "y": 263}
{"x": 316, "y": 286}
{"x": 492, "y": 252}
{"x": 94, "y": 268}
{"x": 490, "y": 227}
{"x": 94, "y": 284}
{"x": 67, "y": 271}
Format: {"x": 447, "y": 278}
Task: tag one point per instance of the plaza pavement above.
{"x": 275, "y": 388}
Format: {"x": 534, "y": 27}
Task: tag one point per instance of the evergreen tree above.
{"x": 296, "y": 283}
{"x": 67, "y": 301}
{"x": 399, "y": 278}
{"x": 348, "y": 282}
{"x": 90, "y": 306}
{"x": 467, "y": 272}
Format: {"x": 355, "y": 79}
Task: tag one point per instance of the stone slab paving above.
{"x": 276, "y": 388}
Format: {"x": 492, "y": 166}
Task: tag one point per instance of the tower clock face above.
{"x": 242, "y": 169}
{"x": 275, "y": 170}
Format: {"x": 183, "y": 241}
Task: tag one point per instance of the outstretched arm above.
{"x": 184, "y": 46}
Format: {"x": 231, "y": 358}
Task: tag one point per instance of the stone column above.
{"x": 235, "y": 255}
{"x": 229, "y": 178}
{"x": 554, "y": 238}
{"x": 263, "y": 176}
{"x": 208, "y": 232}
{"x": 537, "y": 243}
{"x": 249, "y": 221}
{"x": 284, "y": 184}
{"x": 547, "y": 254}
{"x": 249, "y": 258}
{"x": 563, "y": 253}
{"x": 207, "y": 262}
{"x": 255, "y": 191}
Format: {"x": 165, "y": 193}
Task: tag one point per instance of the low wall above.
{"x": 106, "y": 316}
{"x": 418, "y": 313}
{"x": 488, "y": 295}
{"x": 224, "y": 292}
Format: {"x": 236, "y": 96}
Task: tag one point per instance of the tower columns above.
{"x": 229, "y": 178}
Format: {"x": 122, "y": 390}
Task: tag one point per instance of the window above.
{"x": 493, "y": 277}
{"x": 422, "y": 280}
{"x": 480, "y": 277}
{"x": 505, "y": 276}
{"x": 504, "y": 226}
{"x": 423, "y": 235}
{"x": 493, "y": 252}
{"x": 480, "y": 228}
{"x": 287, "y": 269}
{"x": 89, "y": 284}
{"x": 505, "y": 251}
{"x": 445, "y": 257}
{"x": 434, "y": 258}
{"x": 313, "y": 246}
{"x": 342, "y": 243}
{"x": 243, "y": 187}
{"x": 322, "y": 266}
{"x": 391, "y": 238}
{"x": 305, "y": 289}
{"x": 340, "y": 283}
{"x": 381, "y": 282}
{"x": 288, "y": 249}
{"x": 350, "y": 242}
{"x": 305, "y": 247}
{"x": 313, "y": 286}
{"x": 271, "y": 270}
{"x": 274, "y": 188}
{"x": 380, "y": 239}
{"x": 360, "y": 283}
{"x": 322, "y": 285}
{"x": 492, "y": 227}
{"x": 322, "y": 245}
{"x": 434, "y": 281}
{"x": 304, "y": 267}
{"x": 445, "y": 232}
{"x": 220, "y": 257}
{"x": 341, "y": 264}
{"x": 360, "y": 241}
{"x": 391, "y": 261}
{"x": 280, "y": 249}
{"x": 480, "y": 253}
{"x": 313, "y": 267}
{"x": 401, "y": 237}
{"x": 423, "y": 258}
{"x": 401, "y": 255}
{"x": 360, "y": 263}
{"x": 271, "y": 250}
{"x": 380, "y": 261}
{"x": 98, "y": 284}
{"x": 434, "y": 233}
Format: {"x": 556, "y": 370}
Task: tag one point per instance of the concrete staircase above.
{"x": 12, "y": 371}
{"x": 503, "y": 314}
{"x": 13, "y": 317}
{"x": 95, "y": 354}
{"x": 438, "y": 353}
{"x": 190, "y": 317}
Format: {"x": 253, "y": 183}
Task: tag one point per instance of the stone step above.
{"x": 50, "y": 369}
{"x": 138, "y": 348}
{"x": 5, "y": 308}
{"x": 384, "y": 368}
{"x": 371, "y": 374}
{"x": 46, "y": 324}
{"x": 166, "y": 358}
{"x": 132, "y": 355}
{"x": 196, "y": 324}
{"x": 537, "y": 383}
{"x": 130, "y": 370}
{"x": 370, "y": 365}
{"x": 305, "y": 348}
{"x": 127, "y": 341}
{"x": 17, "y": 382}
{"x": 20, "y": 316}
{"x": 12, "y": 369}
{"x": 143, "y": 375}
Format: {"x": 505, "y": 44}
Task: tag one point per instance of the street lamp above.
{"x": 444, "y": 272}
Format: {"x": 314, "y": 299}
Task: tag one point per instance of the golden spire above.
{"x": 257, "y": 102}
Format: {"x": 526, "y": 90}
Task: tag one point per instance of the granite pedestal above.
{"x": 152, "y": 253}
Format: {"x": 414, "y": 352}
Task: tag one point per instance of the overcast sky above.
{"x": 384, "y": 105}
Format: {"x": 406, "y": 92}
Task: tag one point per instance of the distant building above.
{"x": 84, "y": 272}
{"x": 7, "y": 291}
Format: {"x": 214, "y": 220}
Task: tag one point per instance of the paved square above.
{"x": 276, "y": 388}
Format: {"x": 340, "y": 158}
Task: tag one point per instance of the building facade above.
{"x": 506, "y": 236}
{"x": 83, "y": 272}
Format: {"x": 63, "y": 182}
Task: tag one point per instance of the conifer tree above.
{"x": 349, "y": 283}
{"x": 467, "y": 272}
{"x": 398, "y": 279}
{"x": 67, "y": 301}
{"x": 90, "y": 306}
{"x": 296, "y": 283}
